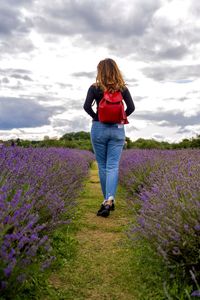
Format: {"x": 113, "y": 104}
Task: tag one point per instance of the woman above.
{"x": 107, "y": 138}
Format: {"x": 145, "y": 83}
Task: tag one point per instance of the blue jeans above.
{"x": 108, "y": 141}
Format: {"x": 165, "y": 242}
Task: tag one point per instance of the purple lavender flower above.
{"x": 3, "y": 285}
{"x": 8, "y": 270}
{"x": 196, "y": 293}
{"x": 38, "y": 190}
{"x": 197, "y": 227}
{"x": 165, "y": 191}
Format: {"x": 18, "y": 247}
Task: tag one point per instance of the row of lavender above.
{"x": 165, "y": 191}
{"x": 38, "y": 189}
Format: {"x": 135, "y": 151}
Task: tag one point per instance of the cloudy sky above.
{"x": 49, "y": 51}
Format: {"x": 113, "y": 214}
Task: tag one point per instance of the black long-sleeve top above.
{"x": 96, "y": 93}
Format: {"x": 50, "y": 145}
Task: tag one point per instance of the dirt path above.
{"x": 101, "y": 267}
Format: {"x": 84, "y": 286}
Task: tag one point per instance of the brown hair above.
{"x": 109, "y": 76}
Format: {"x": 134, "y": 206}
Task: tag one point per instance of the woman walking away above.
{"x": 107, "y": 131}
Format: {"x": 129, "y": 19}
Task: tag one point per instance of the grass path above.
{"x": 102, "y": 268}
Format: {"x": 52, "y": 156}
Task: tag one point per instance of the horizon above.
{"x": 46, "y": 138}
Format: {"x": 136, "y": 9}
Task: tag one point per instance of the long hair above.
{"x": 109, "y": 76}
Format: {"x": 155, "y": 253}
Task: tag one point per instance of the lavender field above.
{"x": 164, "y": 189}
{"x": 38, "y": 190}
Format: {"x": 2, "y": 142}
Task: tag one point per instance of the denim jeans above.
{"x": 108, "y": 141}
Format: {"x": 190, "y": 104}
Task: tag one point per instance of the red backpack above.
{"x": 111, "y": 108}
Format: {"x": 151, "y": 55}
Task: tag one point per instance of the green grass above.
{"x": 101, "y": 262}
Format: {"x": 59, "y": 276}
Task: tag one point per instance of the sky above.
{"x": 49, "y": 52}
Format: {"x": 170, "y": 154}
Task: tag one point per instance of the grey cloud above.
{"x": 14, "y": 27}
{"x": 181, "y": 99}
{"x": 193, "y": 132}
{"x": 164, "y": 123}
{"x": 10, "y": 71}
{"x": 17, "y": 86}
{"x": 119, "y": 26}
{"x": 194, "y": 92}
{"x": 90, "y": 17}
{"x": 125, "y": 28}
{"x": 183, "y": 130}
{"x": 19, "y": 2}
{"x": 131, "y": 128}
{"x": 19, "y": 74}
{"x": 84, "y": 74}
{"x": 72, "y": 104}
{"x": 131, "y": 82}
{"x": 166, "y": 41}
{"x": 158, "y": 136}
{"x": 19, "y": 113}
{"x": 12, "y": 20}
{"x": 195, "y": 7}
{"x": 8, "y": 21}
{"x": 19, "y": 43}
{"x": 5, "y": 80}
{"x": 23, "y": 77}
{"x": 75, "y": 104}
{"x": 64, "y": 85}
{"x": 168, "y": 72}
{"x": 173, "y": 52}
{"x": 138, "y": 98}
{"x": 172, "y": 118}
{"x": 58, "y": 122}
{"x": 78, "y": 123}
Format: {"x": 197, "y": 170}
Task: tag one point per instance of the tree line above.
{"x": 81, "y": 140}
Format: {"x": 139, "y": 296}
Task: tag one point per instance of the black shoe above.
{"x": 104, "y": 210}
{"x": 102, "y": 207}
{"x": 112, "y": 206}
